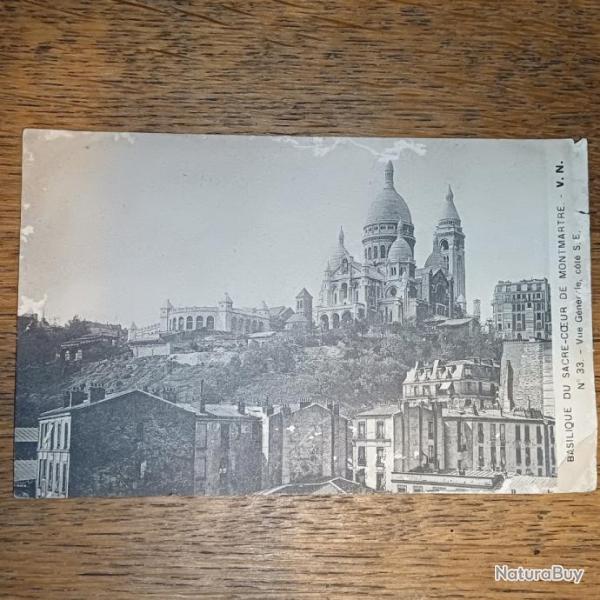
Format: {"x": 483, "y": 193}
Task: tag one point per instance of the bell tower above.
{"x": 449, "y": 240}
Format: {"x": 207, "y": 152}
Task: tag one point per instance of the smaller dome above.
{"x": 339, "y": 253}
{"x": 400, "y": 251}
{"x": 450, "y": 213}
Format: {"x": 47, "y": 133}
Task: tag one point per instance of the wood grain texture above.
{"x": 489, "y": 69}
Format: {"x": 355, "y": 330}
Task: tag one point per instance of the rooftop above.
{"x": 25, "y": 470}
{"x": 492, "y": 414}
{"x": 215, "y": 410}
{"x": 26, "y": 434}
{"x": 386, "y": 410}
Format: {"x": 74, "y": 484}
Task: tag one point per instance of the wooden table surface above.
{"x": 443, "y": 68}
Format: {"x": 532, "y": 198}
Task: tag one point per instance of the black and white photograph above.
{"x": 265, "y": 315}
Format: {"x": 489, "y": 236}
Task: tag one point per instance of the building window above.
{"x": 360, "y": 476}
{"x": 540, "y": 456}
{"x": 41, "y": 471}
{"x": 362, "y": 458}
{"x": 430, "y": 430}
{"x": 256, "y": 431}
{"x": 518, "y": 456}
{"x": 223, "y": 471}
{"x": 517, "y": 433}
{"x": 481, "y": 457}
{"x": 56, "y": 477}
{"x": 59, "y": 435}
{"x": 480, "y": 437}
{"x": 379, "y": 481}
{"x": 201, "y": 435}
{"x": 493, "y": 456}
{"x": 527, "y": 456}
{"x": 401, "y": 489}
{"x": 382, "y": 252}
{"x": 362, "y": 429}
{"x": 380, "y": 430}
{"x": 64, "y": 479}
{"x": 66, "y": 434}
{"x": 526, "y": 434}
{"x": 538, "y": 434}
{"x": 369, "y": 253}
{"x": 375, "y": 252}
{"x": 380, "y": 460}
{"x": 201, "y": 467}
{"x": 224, "y": 435}
{"x": 200, "y": 322}
{"x": 502, "y": 433}
{"x": 210, "y": 322}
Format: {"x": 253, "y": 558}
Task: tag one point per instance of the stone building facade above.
{"x": 223, "y": 317}
{"x": 387, "y": 286}
{"x": 521, "y": 309}
{"x": 527, "y": 378}
{"x": 307, "y": 442}
{"x": 474, "y": 381}
{"x": 302, "y": 319}
{"x": 394, "y": 440}
{"x": 135, "y": 443}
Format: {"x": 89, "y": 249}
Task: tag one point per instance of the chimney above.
{"x": 200, "y": 403}
{"x": 477, "y": 308}
{"x": 97, "y": 392}
{"x": 78, "y": 396}
{"x": 241, "y": 408}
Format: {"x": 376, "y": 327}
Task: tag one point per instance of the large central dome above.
{"x": 389, "y": 205}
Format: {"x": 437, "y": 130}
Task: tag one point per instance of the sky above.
{"x": 115, "y": 224}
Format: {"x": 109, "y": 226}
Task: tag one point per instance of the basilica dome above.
{"x": 389, "y": 204}
{"x": 400, "y": 251}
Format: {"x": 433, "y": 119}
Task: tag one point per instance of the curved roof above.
{"x": 450, "y": 213}
{"x": 400, "y": 251}
{"x": 389, "y": 204}
{"x": 339, "y": 252}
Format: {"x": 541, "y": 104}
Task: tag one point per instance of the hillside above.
{"x": 354, "y": 370}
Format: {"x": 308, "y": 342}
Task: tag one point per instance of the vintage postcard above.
{"x": 226, "y": 315}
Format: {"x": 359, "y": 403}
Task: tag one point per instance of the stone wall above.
{"x": 526, "y": 380}
{"x": 132, "y": 446}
